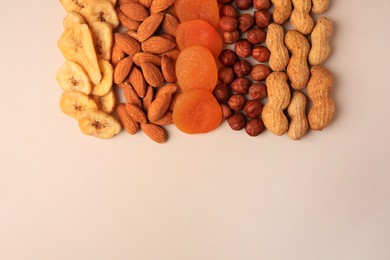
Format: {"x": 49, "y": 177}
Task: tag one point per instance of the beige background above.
{"x": 220, "y": 196}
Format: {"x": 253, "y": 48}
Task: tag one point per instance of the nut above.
{"x": 262, "y": 4}
{"x": 168, "y": 69}
{"x": 237, "y": 121}
{"x": 221, "y": 93}
{"x": 253, "y": 108}
{"x": 129, "y": 124}
{"x": 157, "y": 45}
{"x": 240, "y": 85}
{"x": 231, "y": 37}
{"x": 159, "y": 107}
{"x": 282, "y": 11}
{"x": 243, "y": 48}
{"x": 227, "y": 58}
{"x": 152, "y": 74}
{"x": 320, "y": 37}
{"x": 226, "y": 111}
{"x": 245, "y": 22}
{"x": 149, "y": 26}
{"x": 260, "y": 72}
{"x": 257, "y": 91}
{"x": 262, "y": 18}
{"x": 300, "y": 17}
{"x": 319, "y": 6}
{"x": 254, "y": 127}
{"x": 227, "y": 10}
{"x": 279, "y": 57}
{"x": 243, "y": 4}
{"x": 155, "y": 132}
{"x": 226, "y": 75}
{"x": 228, "y": 23}
{"x": 261, "y": 54}
{"x": 297, "y": 112}
{"x": 242, "y": 68}
{"x": 236, "y": 102}
{"x": 122, "y": 69}
{"x": 256, "y": 36}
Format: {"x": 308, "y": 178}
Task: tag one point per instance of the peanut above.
{"x": 275, "y": 42}
{"x": 297, "y": 69}
{"x": 319, "y": 90}
{"x": 278, "y": 100}
{"x": 300, "y": 17}
{"x": 320, "y": 38}
{"x": 297, "y": 112}
{"x": 282, "y": 10}
{"x": 320, "y": 6}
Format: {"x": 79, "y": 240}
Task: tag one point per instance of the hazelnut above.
{"x": 227, "y": 58}
{"x": 243, "y": 48}
{"x": 228, "y": 23}
{"x": 260, "y": 72}
{"x": 242, "y": 68}
{"x": 254, "y": 127}
{"x": 245, "y": 22}
{"x": 260, "y": 53}
{"x": 257, "y": 91}
{"x": 240, "y": 85}
{"x": 262, "y": 18}
{"x": 236, "y": 102}
{"x": 262, "y": 4}
{"x": 231, "y": 37}
{"x": 221, "y": 93}
{"x": 237, "y": 121}
{"x": 226, "y": 111}
{"x": 225, "y": 1}
{"x": 243, "y": 4}
{"x": 227, "y": 10}
{"x": 256, "y": 36}
{"x": 253, "y": 108}
{"x": 226, "y": 75}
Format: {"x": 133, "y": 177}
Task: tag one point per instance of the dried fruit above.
{"x": 98, "y": 123}
{"x": 72, "y": 76}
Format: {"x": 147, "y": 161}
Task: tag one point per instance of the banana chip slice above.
{"x": 71, "y": 76}
{"x": 107, "y": 102}
{"x": 73, "y": 103}
{"x": 72, "y": 18}
{"x": 99, "y": 124}
{"x": 102, "y": 38}
{"x": 105, "y": 84}
{"x": 100, "y": 11}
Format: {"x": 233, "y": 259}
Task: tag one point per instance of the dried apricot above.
{"x": 198, "y": 9}
{"x": 199, "y": 32}
{"x": 196, "y": 68}
{"x": 197, "y": 111}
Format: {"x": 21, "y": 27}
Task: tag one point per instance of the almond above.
{"x": 130, "y": 95}
{"x": 122, "y": 2}
{"x": 167, "y": 119}
{"x": 149, "y": 26}
{"x": 127, "y": 44}
{"x": 157, "y": 45}
{"x": 135, "y": 11}
{"x": 122, "y": 69}
{"x": 160, "y": 5}
{"x": 167, "y": 36}
{"x": 117, "y": 54}
{"x": 152, "y": 74}
{"x": 132, "y": 34}
{"x": 167, "y": 89}
{"x": 137, "y": 80}
{"x": 155, "y": 132}
{"x": 170, "y": 24}
{"x": 142, "y": 57}
{"x": 148, "y": 98}
{"x": 126, "y": 21}
{"x": 130, "y": 125}
{"x": 173, "y": 102}
{"x": 172, "y": 54}
{"x": 168, "y": 69}
{"x": 136, "y": 113}
{"x": 159, "y": 107}
{"x": 146, "y": 3}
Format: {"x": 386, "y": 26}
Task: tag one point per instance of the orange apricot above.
{"x": 197, "y": 111}
{"x": 198, "y": 9}
{"x": 199, "y": 32}
{"x": 196, "y": 68}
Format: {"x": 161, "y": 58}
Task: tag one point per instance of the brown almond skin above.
{"x": 149, "y": 26}
{"x": 166, "y": 119}
{"x": 167, "y": 89}
{"x": 117, "y": 54}
{"x": 130, "y": 95}
{"x": 160, "y": 5}
{"x": 130, "y": 125}
{"x": 170, "y": 24}
{"x": 152, "y": 74}
{"x": 135, "y": 11}
{"x": 155, "y": 132}
{"x": 137, "y": 80}
{"x": 127, "y": 44}
{"x": 168, "y": 69}
{"x": 147, "y": 100}
{"x": 142, "y": 57}
{"x": 126, "y": 21}
{"x": 136, "y": 113}
{"x": 157, "y": 45}
{"x": 122, "y": 69}
{"x": 159, "y": 107}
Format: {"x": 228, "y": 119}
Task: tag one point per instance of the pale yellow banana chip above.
{"x": 72, "y": 18}
{"x": 102, "y": 38}
{"x": 99, "y": 124}
{"x": 105, "y": 84}
{"x": 100, "y": 11}
{"x": 71, "y": 76}
{"x": 73, "y": 5}
{"x": 107, "y": 102}
{"x": 73, "y": 103}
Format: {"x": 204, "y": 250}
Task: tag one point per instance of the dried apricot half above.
{"x": 198, "y": 9}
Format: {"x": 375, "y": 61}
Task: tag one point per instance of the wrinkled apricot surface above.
{"x": 198, "y": 9}
{"x": 199, "y": 32}
{"x": 197, "y": 111}
{"x": 196, "y": 68}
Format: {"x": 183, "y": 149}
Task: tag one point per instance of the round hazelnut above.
{"x": 231, "y": 37}
{"x": 243, "y": 48}
{"x": 262, "y": 4}
{"x": 245, "y": 22}
{"x": 240, "y": 85}
{"x": 262, "y": 18}
{"x": 254, "y": 127}
{"x": 260, "y": 72}
{"x": 253, "y": 108}
{"x": 228, "y": 23}
{"x": 236, "y": 102}
{"x": 237, "y": 121}
{"x": 260, "y": 53}
{"x": 243, "y": 4}
{"x": 242, "y": 68}
{"x": 225, "y": 1}
{"x": 227, "y": 10}
{"x": 256, "y": 36}
{"x": 226, "y": 75}
{"x": 221, "y": 93}
{"x": 226, "y": 111}
{"x": 257, "y": 91}
{"x": 227, "y": 58}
